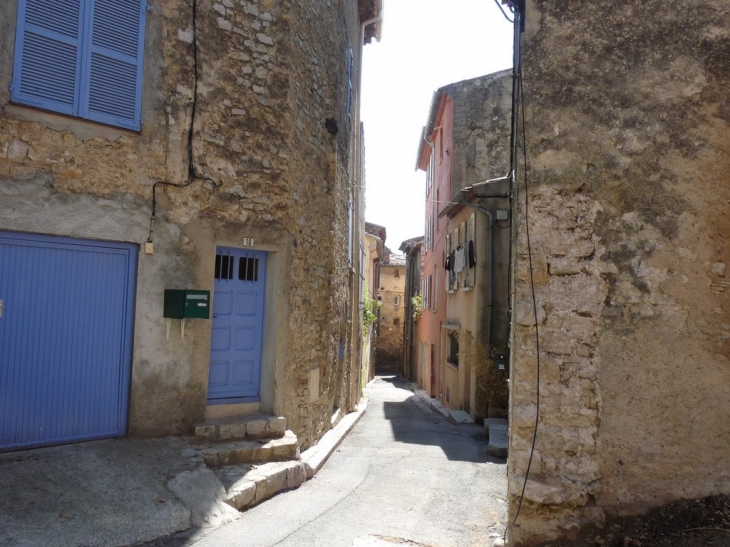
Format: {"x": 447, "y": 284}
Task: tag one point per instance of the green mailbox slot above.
{"x": 185, "y": 304}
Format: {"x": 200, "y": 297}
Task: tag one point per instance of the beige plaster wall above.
{"x": 627, "y": 125}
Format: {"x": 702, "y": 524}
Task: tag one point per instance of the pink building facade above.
{"x": 435, "y": 156}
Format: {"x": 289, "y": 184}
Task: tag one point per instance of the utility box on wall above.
{"x": 187, "y": 304}
{"x": 501, "y": 362}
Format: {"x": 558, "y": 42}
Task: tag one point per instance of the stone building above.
{"x": 627, "y": 121}
{"x": 373, "y": 253}
{"x": 148, "y": 145}
{"x": 391, "y": 315}
{"x": 412, "y": 358}
{"x": 465, "y": 150}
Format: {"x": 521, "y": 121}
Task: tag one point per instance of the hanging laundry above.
{"x": 459, "y": 259}
{"x": 448, "y": 266}
{"x": 472, "y": 258}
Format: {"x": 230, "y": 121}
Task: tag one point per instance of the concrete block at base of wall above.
{"x": 457, "y": 417}
{"x": 315, "y": 457}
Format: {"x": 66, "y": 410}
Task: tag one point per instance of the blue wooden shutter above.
{"x": 351, "y": 71}
{"x": 112, "y": 78}
{"x": 48, "y": 54}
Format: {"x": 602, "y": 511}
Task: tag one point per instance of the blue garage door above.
{"x": 65, "y": 339}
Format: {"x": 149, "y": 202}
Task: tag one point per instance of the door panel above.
{"x": 65, "y": 339}
{"x": 238, "y": 319}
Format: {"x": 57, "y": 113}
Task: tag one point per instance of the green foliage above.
{"x": 417, "y": 303}
{"x": 368, "y": 313}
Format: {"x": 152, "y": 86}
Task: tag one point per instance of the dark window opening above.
{"x": 248, "y": 269}
{"x": 453, "y": 349}
{"x": 396, "y": 321}
{"x": 223, "y": 267}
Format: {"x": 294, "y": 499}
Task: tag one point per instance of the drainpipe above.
{"x": 516, "y": 75}
{"x": 490, "y": 270}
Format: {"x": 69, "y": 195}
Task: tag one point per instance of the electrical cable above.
{"x": 192, "y": 175}
{"x": 534, "y": 299}
{"x": 503, "y": 12}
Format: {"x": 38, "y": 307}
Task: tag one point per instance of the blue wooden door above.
{"x": 238, "y": 326}
{"x": 65, "y": 339}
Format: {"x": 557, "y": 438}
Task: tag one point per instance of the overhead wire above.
{"x": 518, "y": 127}
{"x": 503, "y": 12}
{"x": 534, "y": 300}
{"x": 192, "y": 174}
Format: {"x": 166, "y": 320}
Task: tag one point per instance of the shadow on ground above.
{"x": 414, "y": 423}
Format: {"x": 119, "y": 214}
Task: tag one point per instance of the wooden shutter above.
{"x": 351, "y": 73}
{"x": 112, "y": 79}
{"x": 461, "y": 276}
{"x": 81, "y": 58}
{"x": 470, "y": 237}
{"x": 449, "y": 284}
{"x": 48, "y": 54}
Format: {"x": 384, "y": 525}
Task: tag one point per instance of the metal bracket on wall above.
{"x": 168, "y": 321}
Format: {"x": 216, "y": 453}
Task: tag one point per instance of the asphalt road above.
{"x": 403, "y": 476}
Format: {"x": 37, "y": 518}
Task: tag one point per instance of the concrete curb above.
{"x": 454, "y": 417}
{"x": 254, "y": 484}
{"x": 233, "y": 488}
{"x": 314, "y": 458}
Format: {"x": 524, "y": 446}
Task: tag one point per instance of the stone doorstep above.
{"x": 457, "y": 417}
{"x": 249, "y": 485}
{"x": 254, "y": 426}
{"x": 221, "y": 454}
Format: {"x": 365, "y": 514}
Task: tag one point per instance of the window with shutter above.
{"x": 351, "y": 72}
{"x": 459, "y": 247}
{"x": 350, "y": 231}
{"x": 471, "y": 243}
{"x": 428, "y": 291}
{"x": 450, "y": 276}
{"x": 82, "y": 58}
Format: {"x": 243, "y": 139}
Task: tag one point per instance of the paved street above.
{"x": 404, "y": 475}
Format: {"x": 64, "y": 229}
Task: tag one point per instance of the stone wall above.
{"x": 629, "y": 167}
{"x": 481, "y": 129}
{"x": 271, "y": 73}
{"x": 389, "y": 343}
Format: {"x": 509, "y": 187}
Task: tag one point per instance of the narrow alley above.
{"x": 404, "y": 475}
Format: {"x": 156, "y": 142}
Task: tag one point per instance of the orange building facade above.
{"x": 435, "y": 158}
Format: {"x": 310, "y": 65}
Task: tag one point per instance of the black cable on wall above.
{"x": 192, "y": 174}
{"x": 519, "y": 131}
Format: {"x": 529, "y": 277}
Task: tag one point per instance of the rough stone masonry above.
{"x": 270, "y": 74}
{"x": 628, "y": 121}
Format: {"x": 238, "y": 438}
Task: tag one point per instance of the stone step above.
{"x": 249, "y": 485}
{"x": 252, "y": 426}
{"x": 458, "y": 417}
{"x": 223, "y": 453}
